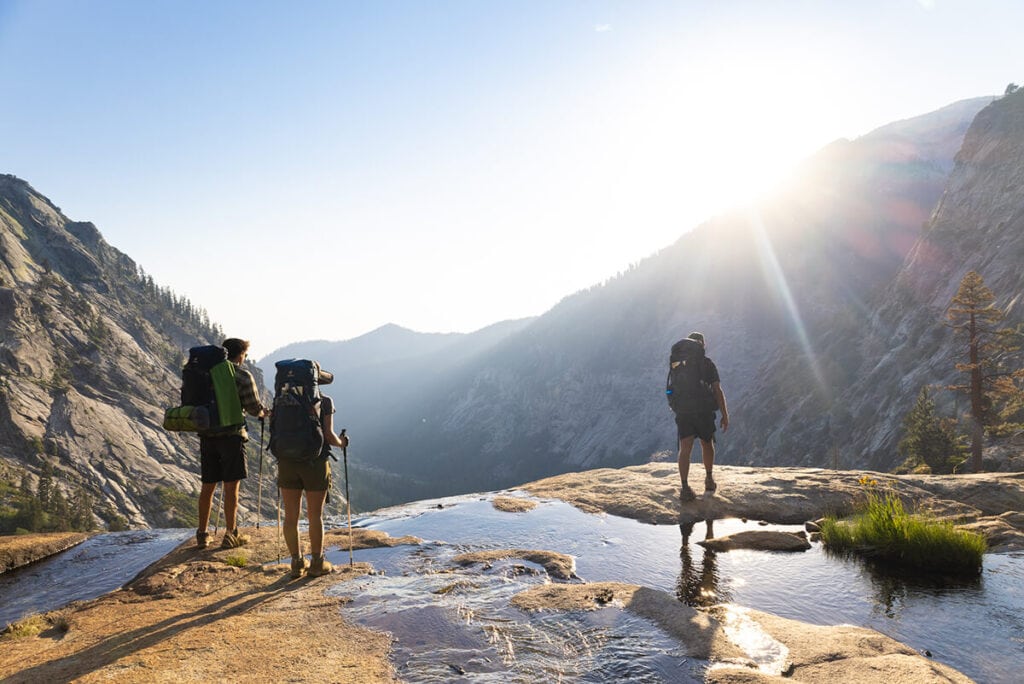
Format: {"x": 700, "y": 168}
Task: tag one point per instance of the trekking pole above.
{"x": 216, "y": 522}
{"x": 279, "y": 524}
{"x": 259, "y": 488}
{"x": 348, "y": 502}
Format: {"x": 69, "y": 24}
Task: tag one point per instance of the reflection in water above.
{"x": 698, "y": 587}
{"x": 894, "y": 589}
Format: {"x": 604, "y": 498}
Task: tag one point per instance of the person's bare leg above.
{"x": 231, "y": 504}
{"x": 685, "y": 449}
{"x": 314, "y": 513}
{"x": 707, "y": 453}
{"x": 292, "y": 501}
{"x": 206, "y": 504}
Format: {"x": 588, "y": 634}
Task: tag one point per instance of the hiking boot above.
{"x": 686, "y": 494}
{"x": 320, "y": 566}
{"x": 299, "y": 566}
{"x": 202, "y": 539}
{"x": 709, "y": 484}
{"x": 233, "y": 539}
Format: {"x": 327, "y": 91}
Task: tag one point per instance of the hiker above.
{"x": 298, "y": 472}
{"x": 222, "y": 453}
{"x": 695, "y": 393}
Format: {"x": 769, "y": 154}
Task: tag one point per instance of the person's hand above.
{"x": 725, "y": 422}
{"x": 343, "y": 438}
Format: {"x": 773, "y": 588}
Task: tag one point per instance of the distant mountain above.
{"x": 90, "y": 356}
{"x": 787, "y": 292}
{"x": 380, "y": 375}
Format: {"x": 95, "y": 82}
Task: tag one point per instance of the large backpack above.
{"x": 686, "y": 388}
{"x": 295, "y": 430}
{"x": 209, "y": 396}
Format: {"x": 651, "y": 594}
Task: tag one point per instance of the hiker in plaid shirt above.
{"x": 222, "y": 455}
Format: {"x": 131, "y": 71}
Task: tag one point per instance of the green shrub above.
{"x": 180, "y": 507}
{"x": 886, "y": 532}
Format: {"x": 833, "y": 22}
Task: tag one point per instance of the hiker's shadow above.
{"x": 121, "y": 644}
{"x": 698, "y": 587}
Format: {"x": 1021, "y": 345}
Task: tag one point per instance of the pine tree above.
{"x": 928, "y": 439}
{"x": 972, "y": 314}
{"x": 60, "y": 514}
{"x": 81, "y": 511}
{"x": 44, "y": 490}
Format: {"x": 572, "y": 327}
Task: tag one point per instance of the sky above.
{"x": 314, "y": 170}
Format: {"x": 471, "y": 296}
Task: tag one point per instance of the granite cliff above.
{"x": 90, "y": 355}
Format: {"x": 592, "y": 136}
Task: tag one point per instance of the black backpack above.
{"x": 210, "y": 404}
{"x": 295, "y": 430}
{"x": 686, "y": 388}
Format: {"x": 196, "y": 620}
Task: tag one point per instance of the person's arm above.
{"x": 716, "y": 388}
{"x": 248, "y": 394}
{"x": 327, "y": 423}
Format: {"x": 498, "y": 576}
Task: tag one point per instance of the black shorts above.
{"x": 222, "y": 459}
{"x": 700, "y": 424}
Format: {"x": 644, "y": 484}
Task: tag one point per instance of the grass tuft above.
{"x": 885, "y": 531}
{"x": 28, "y": 626}
{"x": 239, "y": 560}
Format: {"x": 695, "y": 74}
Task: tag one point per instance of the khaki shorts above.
{"x": 312, "y": 476}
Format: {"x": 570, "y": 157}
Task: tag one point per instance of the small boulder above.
{"x": 759, "y": 540}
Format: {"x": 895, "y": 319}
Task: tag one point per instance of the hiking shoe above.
{"x": 709, "y": 484}
{"x": 233, "y": 539}
{"x": 299, "y": 566}
{"x": 686, "y": 493}
{"x": 202, "y": 539}
{"x": 320, "y": 566}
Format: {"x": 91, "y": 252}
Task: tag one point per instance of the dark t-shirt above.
{"x": 710, "y": 372}
{"x": 326, "y": 409}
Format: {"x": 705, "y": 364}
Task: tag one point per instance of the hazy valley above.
{"x": 822, "y": 307}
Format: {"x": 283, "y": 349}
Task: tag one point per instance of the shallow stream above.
{"x": 448, "y": 620}
{"x": 98, "y": 565}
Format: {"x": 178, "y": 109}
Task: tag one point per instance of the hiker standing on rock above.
{"x": 694, "y": 394}
{"x": 302, "y": 449}
{"x": 222, "y": 453}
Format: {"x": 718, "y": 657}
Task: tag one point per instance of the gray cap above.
{"x": 699, "y": 337}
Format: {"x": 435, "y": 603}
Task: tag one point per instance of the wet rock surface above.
{"x": 758, "y": 540}
{"x": 988, "y": 502}
{"x": 22, "y": 549}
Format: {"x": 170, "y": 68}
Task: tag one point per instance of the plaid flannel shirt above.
{"x": 248, "y": 394}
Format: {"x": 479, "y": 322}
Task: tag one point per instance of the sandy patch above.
{"x": 511, "y": 504}
{"x": 193, "y": 617}
{"x": 364, "y": 539}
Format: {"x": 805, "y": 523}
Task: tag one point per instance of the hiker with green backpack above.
{"x": 222, "y": 441}
{"x": 301, "y": 437}
{"x": 694, "y": 393}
